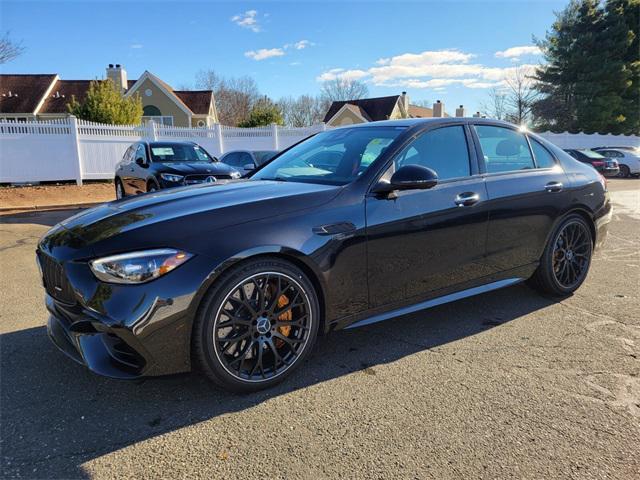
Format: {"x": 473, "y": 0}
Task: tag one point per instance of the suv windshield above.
{"x": 177, "y": 152}
{"x": 334, "y": 158}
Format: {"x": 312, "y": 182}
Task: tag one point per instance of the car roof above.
{"x": 413, "y": 122}
{"x": 156, "y": 143}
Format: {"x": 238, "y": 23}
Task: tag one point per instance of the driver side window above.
{"x": 443, "y": 150}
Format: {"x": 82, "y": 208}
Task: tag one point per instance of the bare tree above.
{"x": 343, "y": 89}
{"x": 235, "y": 97}
{"x": 520, "y": 95}
{"x": 513, "y": 101}
{"x": 9, "y": 49}
{"x": 495, "y": 106}
{"x": 302, "y": 111}
{"x": 425, "y": 102}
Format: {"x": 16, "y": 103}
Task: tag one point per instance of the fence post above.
{"x": 218, "y": 129}
{"x": 274, "y": 133}
{"x": 152, "y": 132}
{"x": 75, "y": 138}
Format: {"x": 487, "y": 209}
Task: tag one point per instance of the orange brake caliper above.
{"x": 287, "y": 316}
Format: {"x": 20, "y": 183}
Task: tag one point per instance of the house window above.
{"x": 158, "y": 119}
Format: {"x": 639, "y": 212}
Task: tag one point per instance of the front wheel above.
{"x": 566, "y": 259}
{"x": 119, "y": 189}
{"x": 256, "y": 325}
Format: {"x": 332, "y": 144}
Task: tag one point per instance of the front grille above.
{"x": 55, "y": 281}
{"x": 202, "y": 178}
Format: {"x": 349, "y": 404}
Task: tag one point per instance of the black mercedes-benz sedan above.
{"x": 352, "y": 226}
{"x": 150, "y": 166}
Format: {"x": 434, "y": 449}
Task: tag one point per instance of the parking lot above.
{"x": 507, "y": 384}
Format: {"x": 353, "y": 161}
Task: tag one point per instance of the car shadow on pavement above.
{"x": 46, "y": 218}
{"x": 56, "y": 415}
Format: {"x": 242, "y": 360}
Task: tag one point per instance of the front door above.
{"x": 422, "y": 241}
{"x": 527, "y": 190}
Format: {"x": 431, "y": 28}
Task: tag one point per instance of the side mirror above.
{"x": 409, "y": 177}
{"x": 249, "y": 167}
{"x": 140, "y": 161}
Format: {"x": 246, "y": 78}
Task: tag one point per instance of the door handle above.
{"x": 552, "y": 187}
{"x": 467, "y": 199}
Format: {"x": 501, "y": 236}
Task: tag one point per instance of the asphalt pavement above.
{"x": 509, "y": 384}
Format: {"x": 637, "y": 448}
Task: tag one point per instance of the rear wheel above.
{"x": 566, "y": 259}
{"x": 256, "y": 325}
{"x": 624, "y": 172}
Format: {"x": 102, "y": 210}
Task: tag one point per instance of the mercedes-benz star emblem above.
{"x": 211, "y": 179}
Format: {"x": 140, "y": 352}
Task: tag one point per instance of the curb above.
{"x": 47, "y": 208}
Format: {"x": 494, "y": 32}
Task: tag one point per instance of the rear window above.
{"x": 591, "y": 154}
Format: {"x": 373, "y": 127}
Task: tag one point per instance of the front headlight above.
{"x": 236, "y": 174}
{"x": 169, "y": 177}
{"x": 138, "y": 267}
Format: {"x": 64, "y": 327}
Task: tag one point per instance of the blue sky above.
{"x": 433, "y": 50}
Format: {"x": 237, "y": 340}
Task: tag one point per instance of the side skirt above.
{"x": 434, "y": 302}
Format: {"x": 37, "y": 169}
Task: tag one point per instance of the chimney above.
{"x": 405, "y": 103}
{"x": 118, "y": 76}
{"x": 477, "y": 115}
{"x": 460, "y": 111}
{"x": 438, "y": 109}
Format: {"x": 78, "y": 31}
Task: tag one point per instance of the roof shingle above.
{"x": 23, "y": 93}
{"x": 379, "y": 108}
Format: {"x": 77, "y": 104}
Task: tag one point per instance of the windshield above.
{"x": 591, "y": 154}
{"x": 335, "y": 158}
{"x": 177, "y": 152}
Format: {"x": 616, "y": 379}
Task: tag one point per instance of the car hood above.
{"x": 170, "y": 217}
{"x": 186, "y": 168}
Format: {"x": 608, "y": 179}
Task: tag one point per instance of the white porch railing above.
{"x": 71, "y": 149}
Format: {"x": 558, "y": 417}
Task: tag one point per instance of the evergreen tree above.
{"x": 263, "y": 113}
{"x": 588, "y": 82}
{"x": 105, "y": 104}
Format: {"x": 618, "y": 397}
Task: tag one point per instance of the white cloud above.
{"x": 302, "y": 44}
{"x": 433, "y": 69}
{"x": 136, "y": 45}
{"x": 248, "y": 19}
{"x": 264, "y": 53}
{"x": 514, "y": 53}
{"x": 342, "y": 74}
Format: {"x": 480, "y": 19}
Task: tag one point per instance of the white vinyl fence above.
{"x": 71, "y": 149}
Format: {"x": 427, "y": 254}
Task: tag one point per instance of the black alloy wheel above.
{"x": 263, "y": 322}
{"x": 566, "y": 260}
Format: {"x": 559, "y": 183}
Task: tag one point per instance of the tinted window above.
{"x": 336, "y": 157}
{"x": 233, "y": 159}
{"x": 245, "y": 159}
{"x": 543, "y": 157}
{"x": 443, "y": 150}
{"x": 610, "y": 153}
{"x": 264, "y": 157}
{"x": 140, "y": 153}
{"x": 591, "y": 154}
{"x": 504, "y": 149}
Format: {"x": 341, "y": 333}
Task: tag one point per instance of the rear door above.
{"x": 527, "y": 189}
{"x": 422, "y": 241}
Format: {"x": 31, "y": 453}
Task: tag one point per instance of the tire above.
{"x": 152, "y": 186}
{"x": 624, "y": 172}
{"x": 551, "y": 277}
{"x": 228, "y": 334}
{"x": 119, "y": 189}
